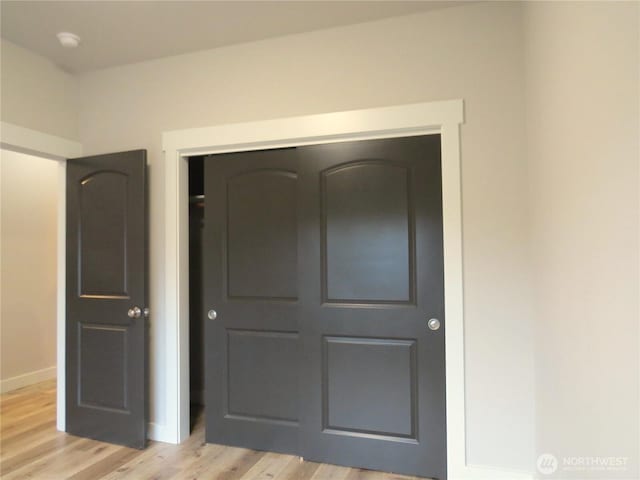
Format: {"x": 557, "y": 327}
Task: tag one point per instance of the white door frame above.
{"x": 399, "y": 121}
{"x": 33, "y": 142}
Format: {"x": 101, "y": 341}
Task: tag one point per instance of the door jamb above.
{"x": 443, "y": 117}
{"x": 39, "y": 144}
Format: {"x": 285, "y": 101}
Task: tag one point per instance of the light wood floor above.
{"x": 31, "y": 447}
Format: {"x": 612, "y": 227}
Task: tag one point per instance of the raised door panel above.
{"x": 367, "y": 239}
{"x": 370, "y": 387}
{"x": 262, "y": 375}
{"x": 103, "y": 369}
{"x": 102, "y": 252}
{"x": 262, "y": 235}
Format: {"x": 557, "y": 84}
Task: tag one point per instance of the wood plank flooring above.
{"x": 31, "y": 447}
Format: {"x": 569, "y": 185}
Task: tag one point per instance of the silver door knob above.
{"x": 212, "y": 315}
{"x": 434, "y": 323}
{"x": 134, "y": 312}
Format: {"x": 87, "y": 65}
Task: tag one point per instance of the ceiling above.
{"x": 120, "y": 32}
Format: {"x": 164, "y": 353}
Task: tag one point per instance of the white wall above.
{"x": 36, "y": 94}
{"x": 583, "y": 132}
{"x": 472, "y": 52}
{"x": 29, "y": 190}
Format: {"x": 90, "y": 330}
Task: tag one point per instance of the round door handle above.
{"x": 433, "y": 323}
{"x": 134, "y": 312}
{"x": 212, "y": 315}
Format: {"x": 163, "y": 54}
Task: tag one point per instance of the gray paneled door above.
{"x": 106, "y": 328}
{"x": 325, "y": 265}
{"x": 373, "y": 384}
{"x": 252, "y": 353}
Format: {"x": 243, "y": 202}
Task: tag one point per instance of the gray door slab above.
{"x": 106, "y": 350}
{"x": 250, "y": 252}
{"x": 372, "y": 380}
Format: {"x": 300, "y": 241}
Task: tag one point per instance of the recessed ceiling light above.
{"x": 68, "y": 40}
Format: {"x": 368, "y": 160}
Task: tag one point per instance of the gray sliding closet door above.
{"x": 371, "y": 263}
{"x": 251, "y": 282}
{"x": 324, "y": 266}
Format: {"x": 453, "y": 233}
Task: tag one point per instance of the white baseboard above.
{"x": 26, "y": 379}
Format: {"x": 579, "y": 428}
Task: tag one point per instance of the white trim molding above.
{"x": 25, "y": 140}
{"x": 442, "y": 118}
{"x": 61, "y": 288}
{"x": 39, "y": 144}
{"x": 26, "y": 379}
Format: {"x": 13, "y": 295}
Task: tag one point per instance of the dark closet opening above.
{"x": 196, "y": 307}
